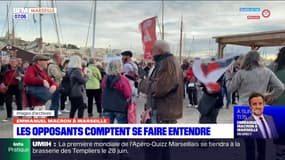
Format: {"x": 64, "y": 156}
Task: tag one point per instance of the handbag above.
{"x": 132, "y": 115}
{"x": 3, "y": 87}
{"x": 145, "y": 116}
{"x": 206, "y": 104}
{"x": 40, "y": 93}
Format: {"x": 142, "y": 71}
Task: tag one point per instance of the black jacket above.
{"x": 112, "y": 99}
{"x": 77, "y": 82}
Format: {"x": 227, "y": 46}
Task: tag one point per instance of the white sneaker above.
{"x": 189, "y": 106}
{"x": 65, "y": 111}
{"x": 6, "y": 120}
{"x": 196, "y": 106}
{"x": 59, "y": 113}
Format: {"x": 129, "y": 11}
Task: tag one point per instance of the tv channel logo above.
{"x": 266, "y": 13}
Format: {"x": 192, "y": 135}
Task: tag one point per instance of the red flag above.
{"x": 147, "y": 28}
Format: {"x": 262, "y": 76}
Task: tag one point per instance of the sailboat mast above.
{"x": 162, "y": 20}
{"x": 8, "y": 34}
{"x": 56, "y": 27}
{"x": 180, "y": 43}
{"x": 93, "y": 52}
{"x": 13, "y": 32}
{"x": 41, "y": 32}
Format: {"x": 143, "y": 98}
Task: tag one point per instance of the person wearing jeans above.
{"x": 55, "y": 103}
{"x": 116, "y": 93}
{"x": 122, "y": 118}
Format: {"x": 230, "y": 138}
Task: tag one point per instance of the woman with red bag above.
{"x": 12, "y": 80}
{"x": 116, "y": 93}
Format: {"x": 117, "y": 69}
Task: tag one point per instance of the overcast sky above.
{"x": 117, "y": 22}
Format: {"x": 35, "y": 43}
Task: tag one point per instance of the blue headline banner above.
{"x": 123, "y": 131}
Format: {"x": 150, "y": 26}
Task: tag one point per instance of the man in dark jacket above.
{"x": 210, "y": 103}
{"x": 164, "y": 89}
{"x": 5, "y": 66}
{"x": 164, "y": 86}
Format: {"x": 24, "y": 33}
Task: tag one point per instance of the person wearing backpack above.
{"x": 78, "y": 80}
{"x": 116, "y": 93}
{"x": 93, "y": 89}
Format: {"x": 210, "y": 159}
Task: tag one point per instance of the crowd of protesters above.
{"x": 115, "y": 84}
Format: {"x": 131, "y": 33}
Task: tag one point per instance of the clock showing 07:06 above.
{"x": 22, "y": 16}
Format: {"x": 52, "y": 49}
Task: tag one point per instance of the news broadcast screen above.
{"x": 142, "y": 80}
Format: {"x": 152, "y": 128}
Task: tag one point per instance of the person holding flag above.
{"x": 210, "y": 75}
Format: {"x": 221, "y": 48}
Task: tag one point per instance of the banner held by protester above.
{"x": 147, "y": 28}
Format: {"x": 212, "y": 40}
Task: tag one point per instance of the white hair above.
{"x": 163, "y": 45}
{"x": 114, "y": 67}
{"x": 75, "y": 62}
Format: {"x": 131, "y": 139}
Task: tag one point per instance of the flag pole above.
{"x": 162, "y": 20}
{"x": 180, "y": 44}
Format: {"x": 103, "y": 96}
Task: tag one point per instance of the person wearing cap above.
{"x": 37, "y": 76}
{"x": 130, "y": 69}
